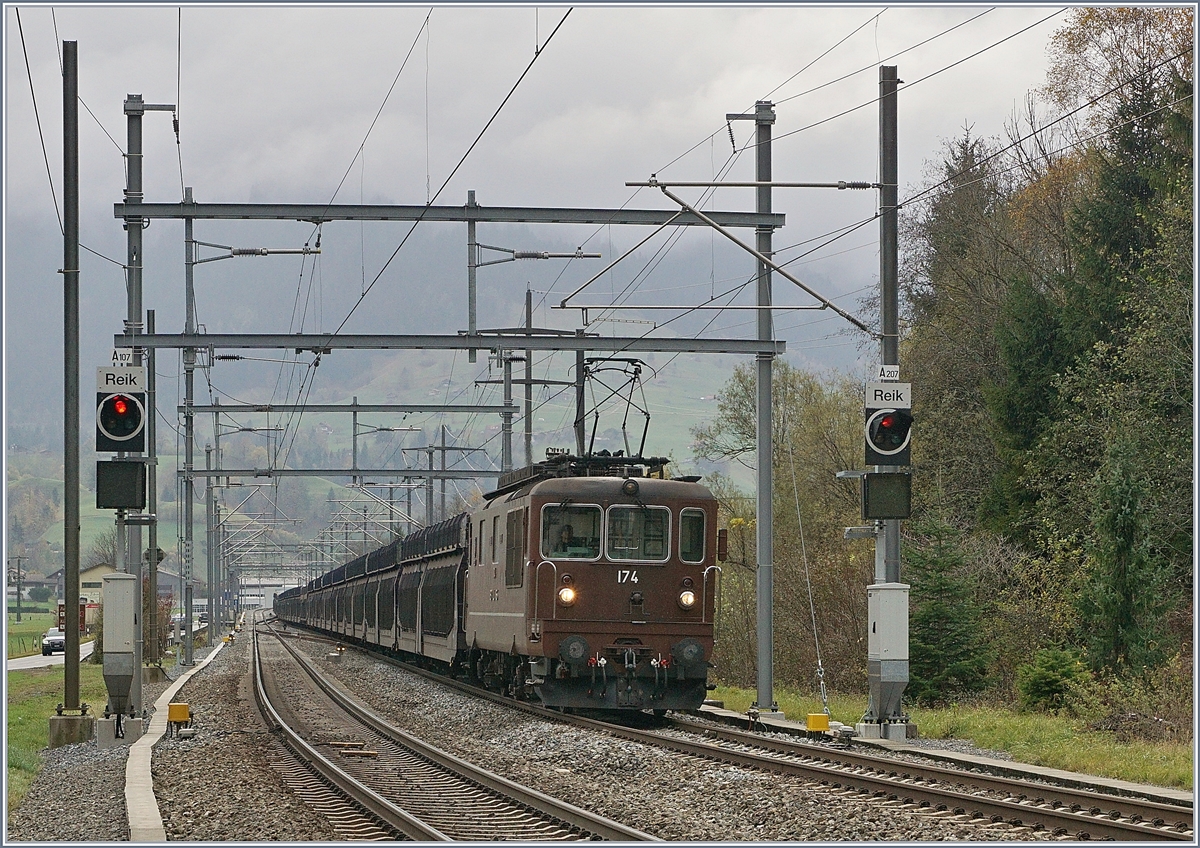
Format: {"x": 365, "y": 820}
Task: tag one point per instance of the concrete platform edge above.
{"x": 141, "y": 807}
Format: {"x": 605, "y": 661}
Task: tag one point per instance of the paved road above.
{"x": 39, "y": 661}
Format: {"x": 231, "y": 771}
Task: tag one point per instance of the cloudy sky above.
{"x": 275, "y": 101}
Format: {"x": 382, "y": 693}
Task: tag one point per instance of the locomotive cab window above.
{"x": 570, "y": 532}
{"x": 514, "y": 551}
{"x": 691, "y": 535}
{"x": 638, "y": 533}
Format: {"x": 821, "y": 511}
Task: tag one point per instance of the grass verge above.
{"x": 25, "y": 636}
{"x": 32, "y": 698}
{"x": 1032, "y": 738}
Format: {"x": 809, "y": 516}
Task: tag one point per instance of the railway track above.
{"x": 1064, "y": 811}
{"x": 402, "y": 784}
{"x": 1157, "y": 814}
{"x": 347, "y": 817}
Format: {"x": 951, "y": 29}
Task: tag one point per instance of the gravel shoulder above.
{"x": 666, "y": 794}
{"x": 220, "y": 784}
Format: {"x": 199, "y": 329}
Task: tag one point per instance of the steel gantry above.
{"x": 136, "y": 214}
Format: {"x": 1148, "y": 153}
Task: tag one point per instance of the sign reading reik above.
{"x": 888, "y": 396}
{"x": 126, "y": 379}
{"x": 121, "y": 409}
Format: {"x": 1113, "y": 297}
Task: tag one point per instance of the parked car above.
{"x": 54, "y": 640}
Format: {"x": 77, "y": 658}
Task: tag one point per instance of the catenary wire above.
{"x": 446, "y": 182}
{"x": 844, "y": 39}
{"x": 886, "y": 59}
{"x": 852, "y": 109}
{"x": 1046, "y": 126}
{"x": 37, "y": 116}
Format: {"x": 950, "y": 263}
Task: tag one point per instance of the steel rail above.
{"x": 1127, "y": 807}
{"x": 1056, "y": 820}
{"x": 575, "y": 816}
{"x": 343, "y": 814}
{"x": 385, "y": 810}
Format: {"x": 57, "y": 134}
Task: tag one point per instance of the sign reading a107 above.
{"x": 888, "y": 396}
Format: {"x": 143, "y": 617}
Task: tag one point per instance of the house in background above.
{"x": 91, "y": 582}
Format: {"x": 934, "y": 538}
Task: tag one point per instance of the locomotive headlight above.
{"x": 687, "y": 599}
{"x": 566, "y": 596}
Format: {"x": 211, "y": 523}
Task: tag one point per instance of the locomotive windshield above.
{"x": 571, "y": 532}
{"x": 638, "y": 532}
{"x": 691, "y": 535}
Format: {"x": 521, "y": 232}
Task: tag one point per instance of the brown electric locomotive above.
{"x": 590, "y": 582}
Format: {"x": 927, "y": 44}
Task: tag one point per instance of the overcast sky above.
{"x": 275, "y": 101}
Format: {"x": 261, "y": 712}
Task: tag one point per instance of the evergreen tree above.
{"x": 1029, "y": 338}
{"x": 948, "y": 654}
{"x": 1122, "y": 602}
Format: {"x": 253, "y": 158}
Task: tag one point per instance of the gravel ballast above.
{"x": 220, "y": 785}
{"x": 668, "y": 795}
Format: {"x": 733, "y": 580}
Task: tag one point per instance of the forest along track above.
{"x": 410, "y": 787}
{"x": 1063, "y": 811}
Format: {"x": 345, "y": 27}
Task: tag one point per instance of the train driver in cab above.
{"x": 566, "y": 540}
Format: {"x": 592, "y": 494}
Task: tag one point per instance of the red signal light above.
{"x": 120, "y": 421}
{"x": 887, "y": 432}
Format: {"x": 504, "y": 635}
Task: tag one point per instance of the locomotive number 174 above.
{"x": 625, "y": 575}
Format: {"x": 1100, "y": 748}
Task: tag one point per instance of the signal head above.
{"x": 888, "y": 432}
{"x": 120, "y": 423}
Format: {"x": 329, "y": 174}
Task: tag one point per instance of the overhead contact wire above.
{"x": 446, "y": 182}
{"x": 37, "y": 117}
{"x": 336, "y": 191}
{"x": 875, "y": 100}
{"x": 411, "y": 229}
